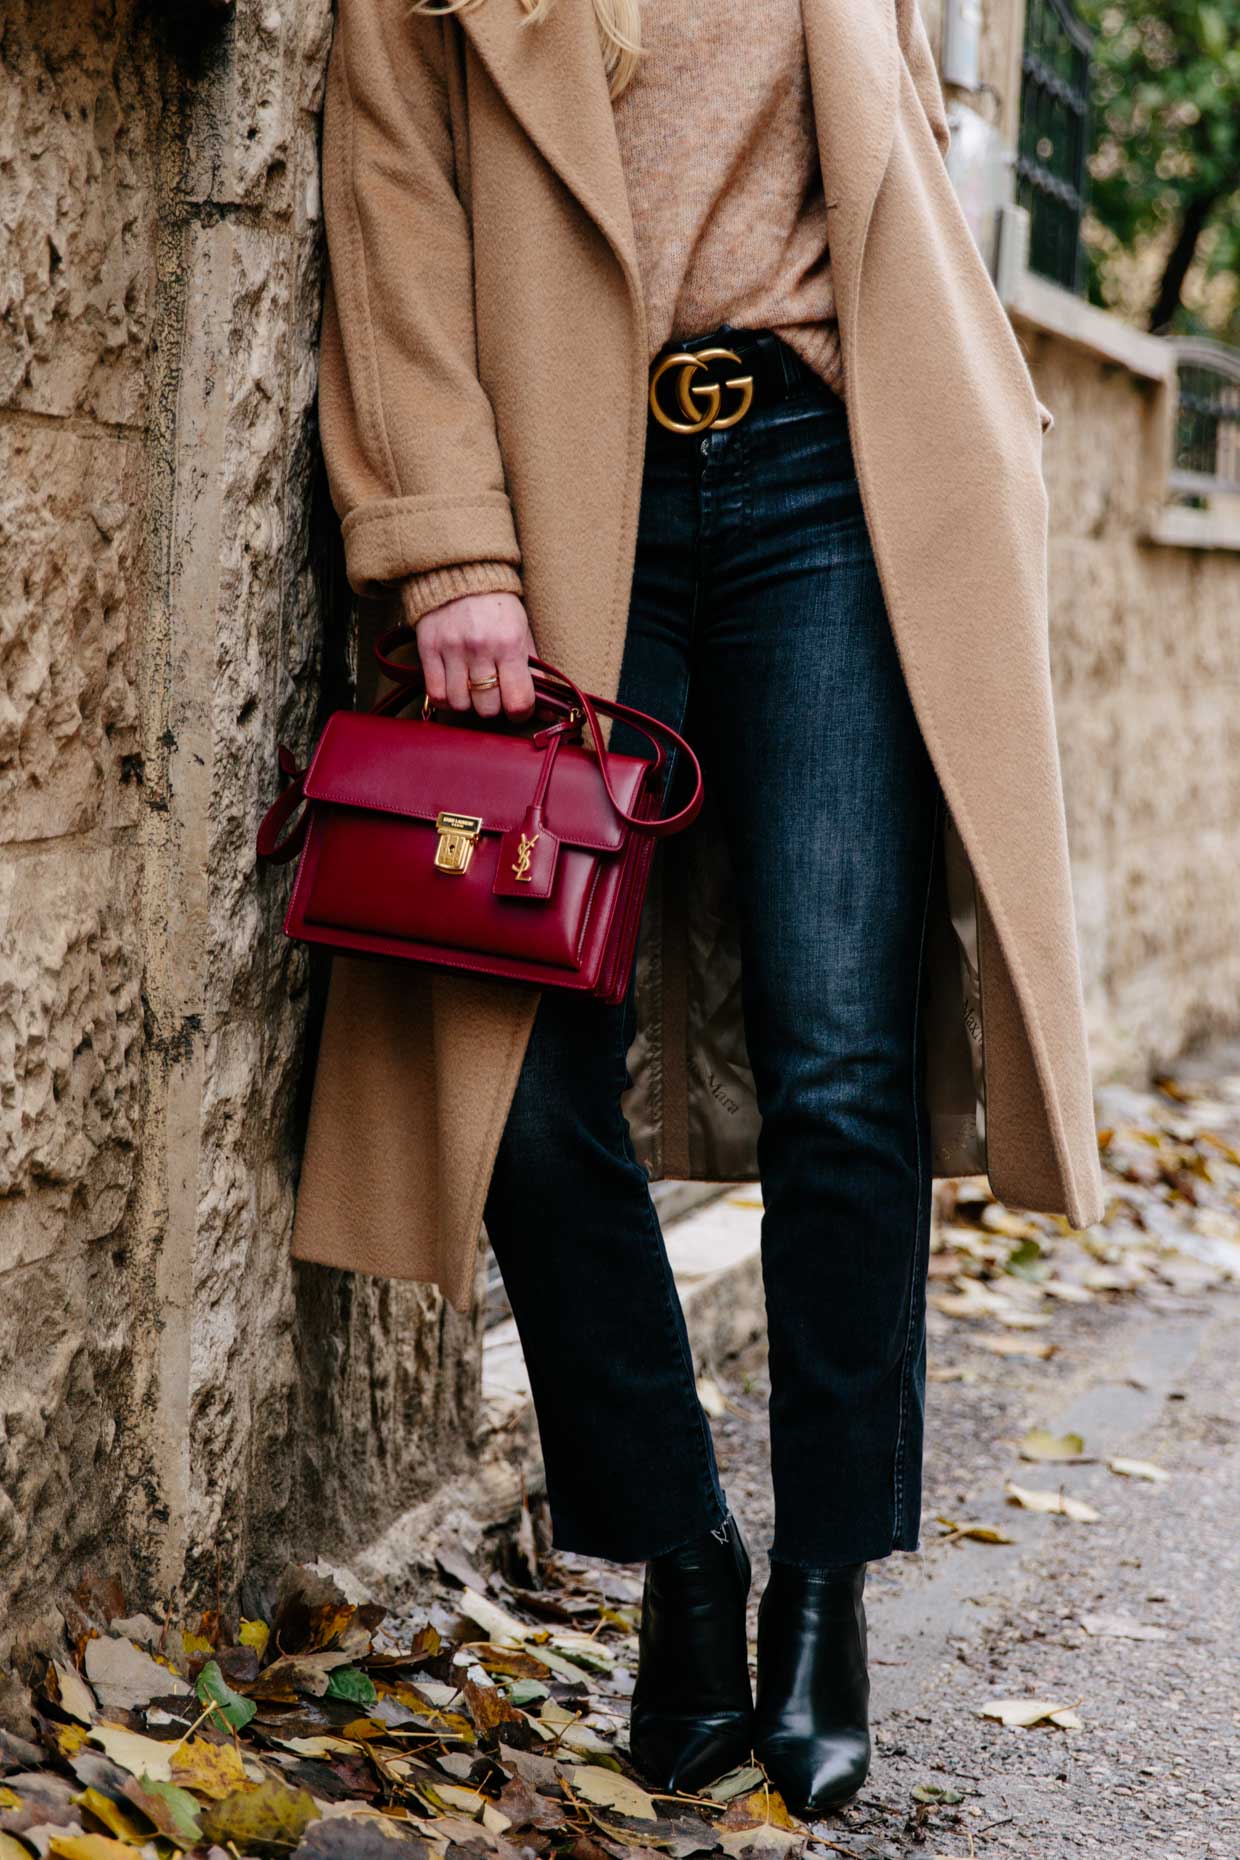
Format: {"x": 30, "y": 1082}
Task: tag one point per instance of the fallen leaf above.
{"x": 489, "y": 1706}
{"x": 124, "y": 1676}
{"x": 1017, "y": 1346}
{"x": 1038, "y": 1444}
{"x": 213, "y": 1689}
{"x": 349, "y": 1682}
{"x": 606, "y": 1789}
{"x": 255, "y": 1634}
{"x": 1021, "y": 1714}
{"x": 979, "y": 1533}
{"x": 267, "y": 1814}
{"x": 111, "y": 1814}
{"x": 1000, "y": 1220}
{"x": 92, "y": 1847}
{"x": 173, "y": 1811}
{"x": 736, "y": 1782}
{"x": 1068, "y": 1293}
{"x": 1139, "y": 1469}
{"x": 468, "y": 1801}
{"x": 935, "y": 1794}
{"x": 1121, "y": 1627}
{"x": 134, "y": 1752}
{"x": 497, "y": 1622}
{"x": 209, "y": 1769}
{"x": 73, "y": 1693}
{"x": 351, "y": 1837}
{"x": 1055, "y": 1503}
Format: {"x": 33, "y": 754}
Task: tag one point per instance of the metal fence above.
{"x": 1207, "y": 424}
{"x": 1050, "y": 171}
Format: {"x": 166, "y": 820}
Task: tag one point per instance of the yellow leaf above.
{"x": 1056, "y": 1503}
{"x": 9, "y": 1798}
{"x": 267, "y": 1814}
{"x": 11, "y": 1849}
{"x": 362, "y": 1729}
{"x": 765, "y": 1808}
{"x": 92, "y": 1847}
{"x": 255, "y": 1634}
{"x": 195, "y": 1643}
{"x": 1038, "y": 1444}
{"x": 213, "y": 1770}
{"x": 1017, "y": 1346}
{"x": 112, "y": 1815}
{"x": 979, "y": 1533}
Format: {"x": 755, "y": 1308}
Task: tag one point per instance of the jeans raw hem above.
{"x": 863, "y": 1555}
{"x": 582, "y": 1543}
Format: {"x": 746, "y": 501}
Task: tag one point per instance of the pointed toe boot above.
{"x": 812, "y": 1731}
{"x": 692, "y": 1713}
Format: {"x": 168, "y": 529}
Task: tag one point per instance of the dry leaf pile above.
{"x": 1171, "y": 1161}
{"x": 485, "y": 1735}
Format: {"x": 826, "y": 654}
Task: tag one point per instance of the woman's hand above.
{"x": 478, "y": 637}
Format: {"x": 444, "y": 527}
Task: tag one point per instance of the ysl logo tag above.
{"x": 521, "y": 869}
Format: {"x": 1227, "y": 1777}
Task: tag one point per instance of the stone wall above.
{"x": 1145, "y": 643}
{"x": 175, "y": 1399}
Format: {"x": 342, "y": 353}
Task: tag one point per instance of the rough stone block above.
{"x": 70, "y": 1025}
{"x": 68, "y": 1450}
{"x": 72, "y": 517}
{"x": 78, "y": 122}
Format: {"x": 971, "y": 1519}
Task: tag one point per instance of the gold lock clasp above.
{"x": 458, "y": 835}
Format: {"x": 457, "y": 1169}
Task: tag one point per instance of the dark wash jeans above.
{"x": 755, "y": 580}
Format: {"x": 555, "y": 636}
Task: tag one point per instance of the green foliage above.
{"x": 1166, "y": 123}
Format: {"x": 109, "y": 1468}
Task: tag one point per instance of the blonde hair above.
{"x": 619, "y": 31}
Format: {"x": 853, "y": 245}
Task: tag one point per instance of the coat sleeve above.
{"x": 408, "y": 432}
{"x": 915, "y": 44}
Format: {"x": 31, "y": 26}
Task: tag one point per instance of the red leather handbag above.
{"x": 520, "y": 856}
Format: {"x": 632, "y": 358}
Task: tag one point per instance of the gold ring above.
{"x": 484, "y": 684}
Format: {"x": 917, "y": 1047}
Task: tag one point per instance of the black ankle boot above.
{"x": 812, "y": 1723}
{"x": 692, "y": 1714}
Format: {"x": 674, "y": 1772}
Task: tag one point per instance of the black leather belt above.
{"x": 712, "y": 381}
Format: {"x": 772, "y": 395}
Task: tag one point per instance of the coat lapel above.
{"x": 551, "y": 76}
{"x": 854, "y": 63}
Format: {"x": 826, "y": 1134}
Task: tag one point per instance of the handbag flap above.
{"x": 420, "y": 769}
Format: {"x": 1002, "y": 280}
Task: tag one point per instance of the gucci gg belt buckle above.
{"x": 700, "y": 401}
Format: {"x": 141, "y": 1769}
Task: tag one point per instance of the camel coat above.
{"x": 483, "y": 397}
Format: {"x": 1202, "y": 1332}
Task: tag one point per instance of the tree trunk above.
{"x": 1196, "y": 214}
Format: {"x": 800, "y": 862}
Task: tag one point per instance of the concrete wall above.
{"x": 173, "y": 1396}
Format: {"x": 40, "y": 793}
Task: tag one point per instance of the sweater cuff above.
{"x": 420, "y": 593}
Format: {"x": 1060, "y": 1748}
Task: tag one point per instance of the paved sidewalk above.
{"x": 1155, "y": 1768}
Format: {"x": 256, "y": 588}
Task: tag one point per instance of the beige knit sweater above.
{"x": 720, "y": 158}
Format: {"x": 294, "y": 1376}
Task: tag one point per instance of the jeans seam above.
{"x": 654, "y": 1232}
{"x": 898, "y": 1483}
{"x": 654, "y": 1236}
